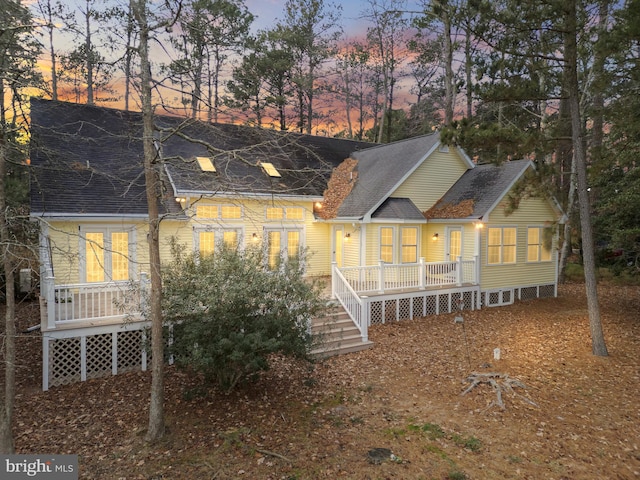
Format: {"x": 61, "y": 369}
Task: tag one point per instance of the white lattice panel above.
{"x": 99, "y": 355}
{"x": 547, "y": 291}
{"x": 528, "y": 293}
{"x": 390, "y": 310}
{"x": 129, "y": 351}
{"x": 375, "y": 313}
{"x": 418, "y": 307}
{"x": 64, "y": 361}
{"x": 443, "y": 303}
{"x": 431, "y": 308}
{"x": 404, "y": 310}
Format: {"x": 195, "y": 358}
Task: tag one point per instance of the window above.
{"x": 270, "y": 169}
{"x": 206, "y": 211}
{"x": 538, "y": 250}
{"x": 106, "y": 256}
{"x": 285, "y": 243}
{"x": 231, "y": 212}
{"x": 501, "y": 245}
{"x": 386, "y": 244}
{"x": 274, "y": 213}
{"x": 409, "y": 244}
{"x": 294, "y": 213}
{"x": 289, "y": 213}
{"x": 208, "y": 240}
{"x": 206, "y": 165}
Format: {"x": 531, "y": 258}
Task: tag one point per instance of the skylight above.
{"x": 206, "y": 165}
{"x": 270, "y": 169}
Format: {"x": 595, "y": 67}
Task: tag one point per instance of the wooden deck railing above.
{"x": 352, "y": 285}
{"x": 384, "y": 277}
{"x": 74, "y": 303}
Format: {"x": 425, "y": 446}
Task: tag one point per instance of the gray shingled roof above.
{"x": 380, "y": 170}
{"x": 305, "y": 162}
{"x": 485, "y": 184}
{"x": 88, "y": 160}
{"x": 398, "y": 209}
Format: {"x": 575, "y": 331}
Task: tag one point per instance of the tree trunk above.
{"x": 155, "y": 430}
{"x": 9, "y": 390}
{"x": 571, "y": 60}
{"x": 565, "y": 251}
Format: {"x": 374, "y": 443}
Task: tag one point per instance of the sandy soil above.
{"x": 578, "y": 418}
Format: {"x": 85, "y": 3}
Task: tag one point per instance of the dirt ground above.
{"x": 578, "y": 418}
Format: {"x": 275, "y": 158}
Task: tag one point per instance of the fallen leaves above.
{"x": 585, "y": 426}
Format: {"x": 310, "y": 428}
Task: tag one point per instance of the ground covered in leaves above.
{"x": 578, "y": 418}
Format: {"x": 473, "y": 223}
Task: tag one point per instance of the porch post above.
{"x": 422, "y": 274}
{"x": 381, "y": 277}
{"x": 476, "y": 269}
{"x": 334, "y": 266}
{"x": 50, "y": 301}
{"x": 364, "y": 319}
{"x": 459, "y": 272}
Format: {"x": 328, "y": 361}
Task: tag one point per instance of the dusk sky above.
{"x": 268, "y": 11}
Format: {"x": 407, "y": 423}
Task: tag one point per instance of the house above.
{"x": 409, "y": 229}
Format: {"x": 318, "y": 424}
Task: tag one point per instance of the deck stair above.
{"x": 336, "y": 334}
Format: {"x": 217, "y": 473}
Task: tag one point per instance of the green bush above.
{"x": 229, "y": 312}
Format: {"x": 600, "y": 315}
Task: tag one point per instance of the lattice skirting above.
{"x": 421, "y": 304}
{"x": 506, "y": 296}
{"x": 79, "y": 356}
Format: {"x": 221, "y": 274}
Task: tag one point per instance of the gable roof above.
{"x": 88, "y": 160}
{"x": 304, "y": 162}
{"x": 478, "y": 191}
{"x": 382, "y": 169}
{"x": 399, "y": 209}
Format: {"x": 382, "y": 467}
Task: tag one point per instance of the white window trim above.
{"x": 216, "y": 229}
{"x": 394, "y": 244}
{"x": 502, "y": 262}
{"x": 106, "y": 232}
{"x": 400, "y": 244}
{"x": 541, "y": 228}
{"x": 284, "y": 214}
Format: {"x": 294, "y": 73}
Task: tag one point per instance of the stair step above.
{"x": 338, "y": 334}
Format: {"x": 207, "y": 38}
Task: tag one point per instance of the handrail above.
{"x": 351, "y": 301}
{"x": 386, "y": 276}
{"x": 77, "y": 302}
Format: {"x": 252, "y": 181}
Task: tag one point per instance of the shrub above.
{"x": 229, "y": 312}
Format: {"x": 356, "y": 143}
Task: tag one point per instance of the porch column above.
{"x": 459, "y": 271}
{"x": 422, "y": 274}
{"x": 476, "y": 269}
{"x": 381, "y": 277}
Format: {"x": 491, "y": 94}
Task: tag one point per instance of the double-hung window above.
{"x": 386, "y": 244}
{"x": 409, "y": 244}
{"x": 501, "y": 245}
{"x": 538, "y": 250}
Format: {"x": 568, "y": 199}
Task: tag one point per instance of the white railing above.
{"x": 384, "y": 277}
{"x": 351, "y": 302}
{"x": 68, "y": 304}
